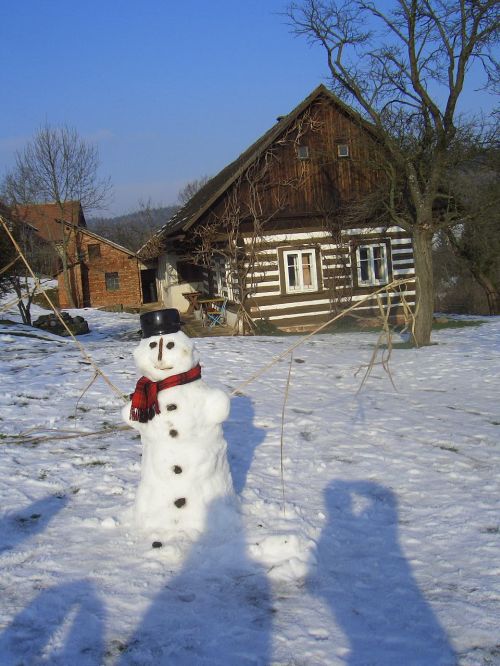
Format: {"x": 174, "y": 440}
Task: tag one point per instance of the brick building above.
{"x": 101, "y": 273}
{"x": 104, "y": 274}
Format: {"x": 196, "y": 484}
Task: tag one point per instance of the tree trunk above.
{"x": 492, "y": 294}
{"x": 67, "y": 281}
{"x": 65, "y": 266}
{"x": 24, "y": 308}
{"x": 422, "y": 251}
{"x": 25, "y": 312}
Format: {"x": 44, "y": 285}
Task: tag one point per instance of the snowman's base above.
{"x": 220, "y": 518}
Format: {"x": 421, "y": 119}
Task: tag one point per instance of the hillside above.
{"x": 133, "y": 229}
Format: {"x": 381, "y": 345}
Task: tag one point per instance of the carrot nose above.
{"x": 160, "y": 349}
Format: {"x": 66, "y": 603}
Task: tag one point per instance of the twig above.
{"x": 85, "y": 391}
{"x": 389, "y": 287}
{"x": 15, "y": 439}
{"x": 386, "y": 354}
{"x": 9, "y": 265}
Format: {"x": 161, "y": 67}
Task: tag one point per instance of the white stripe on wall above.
{"x": 402, "y": 241}
{"x": 285, "y": 306}
{"x": 373, "y": 230}
{"x": 320, "y": 312}
{"x": 400, "y": 250}
{"x": 403, "y": 271}
{"x": 289, "y": 236}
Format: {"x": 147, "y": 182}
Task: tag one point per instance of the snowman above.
{"x": 184, "y": 468}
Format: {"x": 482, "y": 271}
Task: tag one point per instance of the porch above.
{"x": 193, "y": 327}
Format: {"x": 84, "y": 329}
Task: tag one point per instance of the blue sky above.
{"x": 169, "y": 90}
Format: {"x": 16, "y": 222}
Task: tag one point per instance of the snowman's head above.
{"x": 160, "y": 356}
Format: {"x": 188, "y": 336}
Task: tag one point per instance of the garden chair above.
{"x": 216, "y": 314}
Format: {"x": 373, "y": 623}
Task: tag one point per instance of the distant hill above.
{"x": 134, "y": 229}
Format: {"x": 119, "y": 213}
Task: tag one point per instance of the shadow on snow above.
{"x": 27, "y": 523}
{"x": 70, "y": 610}
{"x": 217, "y": 610}
{"x": 71, "y": 614}
{"x": 242, "y": 438}
{"x": 364, "y": 577}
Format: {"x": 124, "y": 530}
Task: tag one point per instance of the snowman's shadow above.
{"x": 216, "y": 610}
{"x": 243, "y": 438}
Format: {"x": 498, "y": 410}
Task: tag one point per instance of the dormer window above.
{"x": 303, "y": 152}
{"x": 342, "y": 150}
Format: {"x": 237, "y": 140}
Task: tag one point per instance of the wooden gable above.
{"x": 322, "y": 120}
{"x": 282, "y": 204}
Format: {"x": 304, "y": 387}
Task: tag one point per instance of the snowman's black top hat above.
{"x": 160, "y": 322}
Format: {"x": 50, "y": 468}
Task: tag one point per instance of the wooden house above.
{"x": 270, "y": 231}
{"x": 101, "y": 273}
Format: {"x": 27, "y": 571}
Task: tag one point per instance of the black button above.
{"x": 179, "y": 503}
{"x": 177, "y": 469}
{"x": 171, "y": 407}
{"x": 173, "y": 433}
{"x": 157, "y": 544}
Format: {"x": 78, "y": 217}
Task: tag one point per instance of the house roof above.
{"x": 216, "y": 186}
{"x": 101, "y": 239}
{"x": 46, "y": 217}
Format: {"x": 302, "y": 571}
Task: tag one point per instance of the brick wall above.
{"x": 89, "y": 275}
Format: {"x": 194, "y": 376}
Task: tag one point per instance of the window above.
{"x": 94, "y": 250}
{"x": 342, "y": 150}
{"x": 371, "y": 264}
{"x": 112, "y": 281}
{"x": 300, "y": 270}
{"x": 303, "y": 152}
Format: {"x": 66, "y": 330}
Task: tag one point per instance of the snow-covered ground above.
{"x": 386, "y": 551}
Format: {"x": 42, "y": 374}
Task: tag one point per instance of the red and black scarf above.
{"x": 144, "y": 399}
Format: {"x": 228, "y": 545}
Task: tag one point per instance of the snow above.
{"x": 384, "y": 553}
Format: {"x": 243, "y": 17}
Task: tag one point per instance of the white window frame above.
{"x": 112, "y": 281}
{"x": 300, "y": 288}
{"x": 303, "y": 152}
{"x": 372, "y": 281}
{"x": 343, "y": 150}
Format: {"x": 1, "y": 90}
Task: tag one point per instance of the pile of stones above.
{"x": 77, "y": 325}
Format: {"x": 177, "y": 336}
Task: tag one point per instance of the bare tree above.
{"x": 190, "y": 189}
{"x": 404, "y": 70}
{"x": 14, "y": 276}
{"x": 58, "y": 166}
{"x": 235, "y": 235}
{"x": 476, "y": 196}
